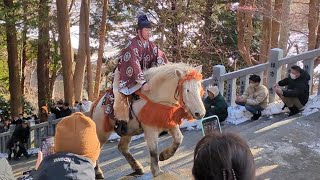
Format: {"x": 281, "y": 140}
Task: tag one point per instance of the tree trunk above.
{"x": 175, "y": 33}
{"x": 313, "y": 22}
{"x": 276, "y": 23}
{"x": 43, "y": 62}
{"x": 24, "y": 48}
{"x": 245, "y": 31}
{"x": 89, "y": 68}
{"x": 284, "y": 30}
{"x": 266, "y": 31}
{"x": 13, "y": 62}
{"x": 101, "y": 48}
{"x": 81, "y": 57}
{"x": 65, "y": 49}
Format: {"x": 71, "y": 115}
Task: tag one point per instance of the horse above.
{"x": 176, "y": 92}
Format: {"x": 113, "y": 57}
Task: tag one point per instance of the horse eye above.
{"x": 187, "y": 90}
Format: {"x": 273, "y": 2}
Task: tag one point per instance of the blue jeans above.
{"x": 253, "y": 109}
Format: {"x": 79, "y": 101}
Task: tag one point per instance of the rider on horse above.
{"x": 139, "y": 55}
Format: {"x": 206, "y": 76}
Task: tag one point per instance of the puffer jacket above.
{"x": 257, "y": 96}
{"x": 297, "y": 87}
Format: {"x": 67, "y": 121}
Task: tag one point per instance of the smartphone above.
{"x": 210, "y": 124}
{"x": 47, "y": 146}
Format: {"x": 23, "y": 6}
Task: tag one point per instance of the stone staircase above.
{"x": 284, "y": 148}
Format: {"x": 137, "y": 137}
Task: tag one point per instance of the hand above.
{"x": 39, "y": 160}
{"x": 279, "y": 91}
{"x": 146, "y": 87}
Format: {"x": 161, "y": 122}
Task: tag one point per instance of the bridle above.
{"x": 179, "y": 90}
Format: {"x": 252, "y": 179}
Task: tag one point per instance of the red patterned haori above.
{"x": 135, "y": 58}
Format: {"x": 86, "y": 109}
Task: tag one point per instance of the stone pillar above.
{"x": 308, "y": 65}
{"x": 217, "y": 72}
{"x": 244, "y": 83}
{"x": 274, "y": 72}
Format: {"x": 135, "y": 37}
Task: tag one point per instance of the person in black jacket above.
{"x": 19, "y": 138}
{"x": 296, "y": 94}
{"x": 215, "y": 104}
{"x": 65, "y": 111}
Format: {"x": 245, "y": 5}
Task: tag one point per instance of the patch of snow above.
{"x": 314, "y": 146}
{"x": 312, "y": 106}
{"x": 238, "y": 114}
{"x": 3, "y": 155}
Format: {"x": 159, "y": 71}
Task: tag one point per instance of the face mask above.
{"x": 293, "y": 76}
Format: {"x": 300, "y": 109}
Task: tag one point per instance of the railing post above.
{"x": 51, "y": 117}
{"x": 274, "y": 71}
{"x": 31, "y": 142}
{"x": 308, "y": 65}
{"x": 217, "y": 72}
{"x": 231, "y": 91}
{"x": 244, "y": 83}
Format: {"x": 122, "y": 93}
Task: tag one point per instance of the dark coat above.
{"x": 216, "y": 106}
{"x": 21, "y": 134}
{"x": 297, "y": 87}
{"x": 56, "y": 111}
{"x": 65, "y": 112}
{"x": 64, "y": 166}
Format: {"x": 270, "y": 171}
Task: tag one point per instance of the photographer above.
{"x": 19, "y": 138}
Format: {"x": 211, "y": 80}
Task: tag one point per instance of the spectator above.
{"x": 215, "y": 104}
{"x": 19, "y": 138}
{"x": 5, "y": 170}
{"x": 77, "y": 149}
{"x": 4, "y": 126}
{"x": 222, "y": 157}
{"x": 43, "y": 115}
{"x": 296, "y": 95}
{"x": 255, "y": 98}
{"x": 57, "y": 109}
{"x": 17, "y": 121}
{"x": 66, "y": 111}
{"x": 87, "y": 104}
{"x": 80, "y": 107}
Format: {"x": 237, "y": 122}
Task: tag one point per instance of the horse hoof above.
{"x": 99, "y": 176}
{"x": 158, "y": 173}
{"x": 163, "y": 157}
{"x": 139, "y": 171}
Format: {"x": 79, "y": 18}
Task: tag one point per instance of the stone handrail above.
{"x": 272, "y": 69}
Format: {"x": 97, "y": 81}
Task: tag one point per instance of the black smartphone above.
{"x": 210, "y": 124}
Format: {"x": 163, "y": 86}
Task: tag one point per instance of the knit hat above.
{"x": 77, "y": 134}
{"x": 143, "y": 22}
{"x": 214, "y": 90}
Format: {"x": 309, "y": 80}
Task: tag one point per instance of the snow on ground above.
{"x": 237, "y": 115}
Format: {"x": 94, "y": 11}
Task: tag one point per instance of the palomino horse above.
{"x": 175, "y": 93}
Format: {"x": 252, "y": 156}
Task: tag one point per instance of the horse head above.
{"x": 177, "y": 83}
{"x": 190, "y": 91}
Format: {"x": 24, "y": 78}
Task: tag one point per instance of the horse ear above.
{"x": 199, "y": 69}
{"x": 178, "y": 73}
